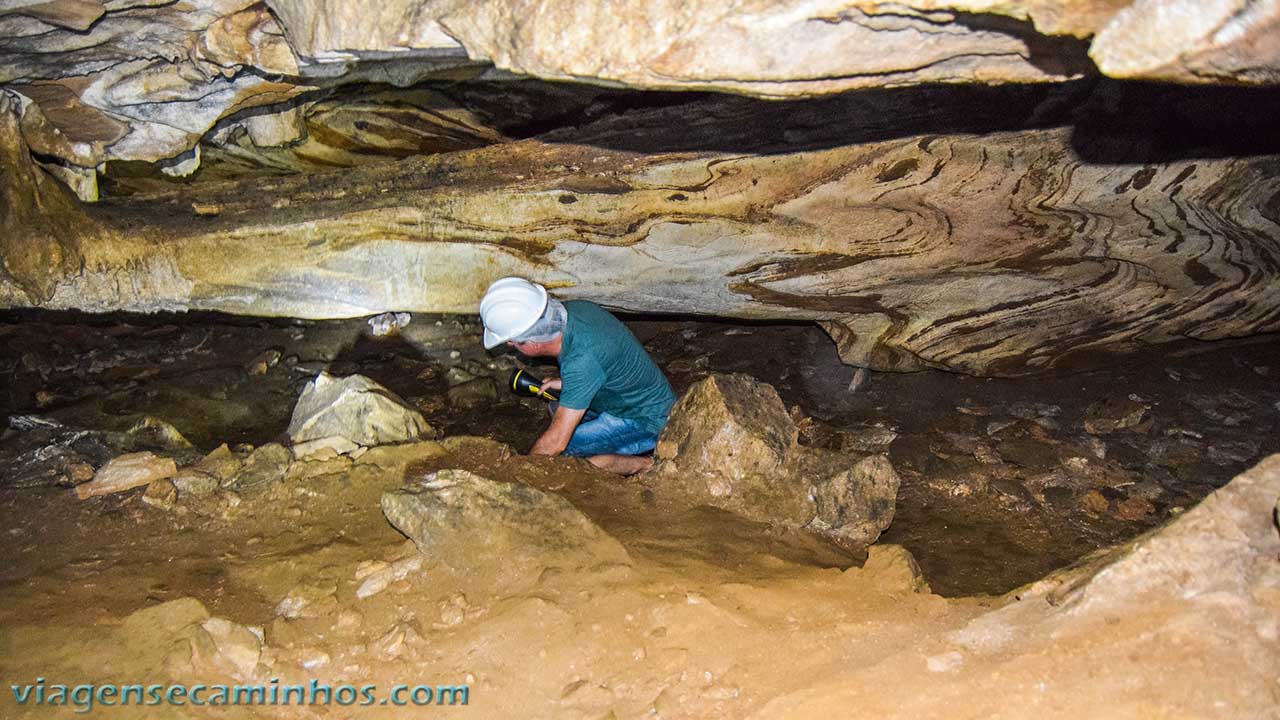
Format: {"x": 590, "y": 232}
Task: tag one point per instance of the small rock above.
{"x": 237, "y": 645}
{"x": 264, "y": 466}
{"x": 221, "y": 464}
{"x": 984, "y": 454}
{"x": 388, "y": 323}
{"x": 892, "y": 568}
{"x": 475, "y": 392}
{"x": 306, "y": 600}
{"x": 1134, "y": 508}
{"x": 395, "y": 642}
{"x": 1094, "y": 503}
{"x": 162, "y": 494}
{"x": 1112, "y": 415}
{"x": 1077, "y": 464}
{"x": 369, "y": 567}
{"x": 995, "y": 426}
{"x": 453, "y": 611}
{"x": 265, "y": 360}
{"x": 126, "y": 472}
{"x": 355, "y": 408}
{"x": 379, "y": 580}
{"x": 193, "y": 483}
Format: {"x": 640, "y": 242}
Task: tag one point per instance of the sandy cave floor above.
{"x": 715, "y": 616}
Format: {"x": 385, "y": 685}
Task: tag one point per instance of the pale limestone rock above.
{"x": 238, "y": 648}
{"x": 464, "y": 521}
{"x": 764, "y": 47}
{"x": 1193, "y": 41}
{"x": 126, "y": 472}
{"x": 379, "y": 579}
{"x": 307, "y": 600}
{"x": 356, "y": 409}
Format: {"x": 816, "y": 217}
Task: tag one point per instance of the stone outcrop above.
{"x": 731, "y": 444}
{"x": 946, "y": 225}
{"x": 347, "y": 413}
{"x": 144, "y": 81}
{"x": 466, "y": 521}
{"x": 1198, "y": 598}
{"x": 1003, "y": 254}
{"x": 1192, "y": 42}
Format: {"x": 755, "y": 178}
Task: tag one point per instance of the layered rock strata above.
{"x": 125, "y": 80}
{"x": 1004, "y": 253}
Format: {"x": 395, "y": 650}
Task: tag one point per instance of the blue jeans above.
{"x": 605, "y": 434}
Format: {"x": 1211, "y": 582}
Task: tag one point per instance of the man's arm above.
{"x": 556, "y": 437}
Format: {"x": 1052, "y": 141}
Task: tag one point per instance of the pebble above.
{"x": 126, "y": 472}
{"x": 1093, "y": 502}
{"x": 1134, "y": 508}
{"x": 313, "y": 658}
{"x": 265, "y": 360}
{"x": 379, "y": 580}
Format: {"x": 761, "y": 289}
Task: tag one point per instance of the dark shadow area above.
{"x": 1112, "y": 121}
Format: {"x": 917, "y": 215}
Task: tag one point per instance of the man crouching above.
{"x": 613, "y": 400}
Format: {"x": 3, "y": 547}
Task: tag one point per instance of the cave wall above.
{"x": 947, "y": 184}
{"x": 999, "y": 253}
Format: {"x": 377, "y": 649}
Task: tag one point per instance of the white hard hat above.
{"x": 510, "y": 307}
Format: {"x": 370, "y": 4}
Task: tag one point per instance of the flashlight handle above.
{"x": 523, "y": 382}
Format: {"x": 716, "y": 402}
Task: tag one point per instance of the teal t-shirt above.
{"x": 605, "y": 369}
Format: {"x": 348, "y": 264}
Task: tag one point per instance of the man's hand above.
{"x": 552, "y": 384}
{"x": 556, "y": 437}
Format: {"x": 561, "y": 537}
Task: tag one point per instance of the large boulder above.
{"x": 350, "y": 412}
{"x": 731, "y": 444}
{"x": 472, "y": 523}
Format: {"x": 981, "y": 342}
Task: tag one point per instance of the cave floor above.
{"x": 1003, "y": 481}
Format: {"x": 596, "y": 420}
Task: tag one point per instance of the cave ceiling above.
{"x": 990, "y": 186}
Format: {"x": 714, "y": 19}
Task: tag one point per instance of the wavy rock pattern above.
{"x": 144, "y": 80}
{"x": 1000, "y": 254}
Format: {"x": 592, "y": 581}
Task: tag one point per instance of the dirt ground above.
{"x": 1004, "y": 481}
